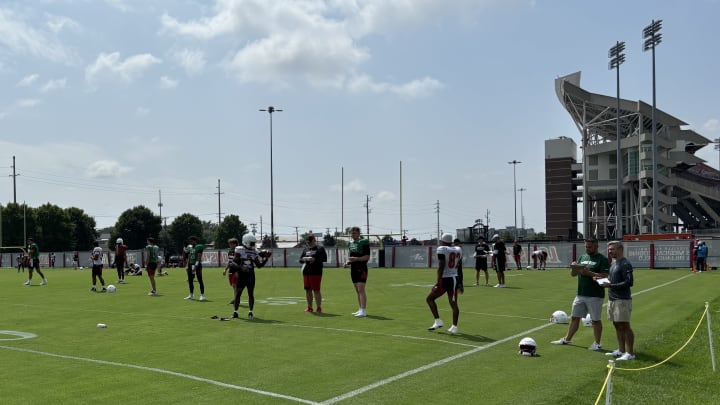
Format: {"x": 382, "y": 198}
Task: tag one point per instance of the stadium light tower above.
{"x": 717, "y": 147}
{"x": 270, "y": 110}
{"x": 522, "y": 212}
{"x": 514, "y": 163}
{"x": 617, "y": 57}
{"x": 653, "y": 37}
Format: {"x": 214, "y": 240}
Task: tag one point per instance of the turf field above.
{"x": 165, "y": 350}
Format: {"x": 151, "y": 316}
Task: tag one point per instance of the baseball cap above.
{"x": 447, "y": 238}
{"x": 496, "y": 236}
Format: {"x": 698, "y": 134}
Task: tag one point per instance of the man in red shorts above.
{"x": 312, "y": 258}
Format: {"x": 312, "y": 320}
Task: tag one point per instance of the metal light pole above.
{"x": 652, "y": 37}
{"x": 717, "y": 147}
{"x": 522, "y": 212}
{"x": 514, "y": 163}
{"x": 617, "y": 57}
{"x": 270, "y": 110}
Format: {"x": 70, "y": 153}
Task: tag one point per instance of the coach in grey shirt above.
{"x": 620, "y": 301}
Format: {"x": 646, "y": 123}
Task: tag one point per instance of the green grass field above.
{"x": 166, "y": 350}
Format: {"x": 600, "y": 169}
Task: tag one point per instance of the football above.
{"x": 265, "y": 253}
{"x": 111, "y": 288}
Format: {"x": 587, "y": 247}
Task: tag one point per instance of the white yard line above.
{"x": 163, "y": 371}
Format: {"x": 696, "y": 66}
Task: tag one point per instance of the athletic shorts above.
{"x": 35, "y": 264}
{"x": 587, "y": 305}
{"x": 312, "y": 282}
{"x": 481, "y": 264}
{"x": 245, "y": 279}
{"x": 447, "y": 285}
{"x": 97, "y": 270}
{"x": 500, "y": 263}
{"x": 619, "y": 310}
{"x": 358, "y": 276}
{"x": 232, "y": 279}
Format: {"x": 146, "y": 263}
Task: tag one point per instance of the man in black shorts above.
{"x": 482, "y": 249}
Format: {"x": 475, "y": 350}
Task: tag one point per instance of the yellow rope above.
{"x": 612, "y": 368}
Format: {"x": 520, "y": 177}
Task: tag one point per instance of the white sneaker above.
{"x": 189, "y": 297}
{"x": 202, "y": 297}
{"x": 561, "y": 342}
{"x": 361, "y": 314}
{"x": 356, "y": 312}
{"x": 28, "y": 283}
{"x": 497, "y": 285}
{"x": 453, "y": 329}
{"x": 502, "y": 286}
{"x": 436, "y": 325}
{"x": 595, "y": 347}
{"x": 153, "y": 293}
{"x": 615, "y": 353}
{"x": 43, "y": 282}
{"x": 626, "y": 356}
{"x": 121, "y": 281}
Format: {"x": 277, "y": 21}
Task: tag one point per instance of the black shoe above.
{"x": 235, "y": 315}
{"x": 250, "y": 315}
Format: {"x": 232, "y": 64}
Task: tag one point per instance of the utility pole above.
{"x": 522, "y": 213}
{"x": 297, "y": 235}
{"x": 218, "y": 194}
{"x": 14, "y": 176}
{"x": 254, "y": 230}
{"x": 437, "y": 211}
{"x": 160, "y": 204}
{"x": 367, "y": 212}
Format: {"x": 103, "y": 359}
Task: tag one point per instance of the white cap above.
{"x": 496, "y": 236}
{"x": 447, "y": 238}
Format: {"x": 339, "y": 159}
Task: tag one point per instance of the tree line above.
{"x": 58, "y": 229}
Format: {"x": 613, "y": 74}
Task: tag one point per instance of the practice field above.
{"x": 166, "y": 350}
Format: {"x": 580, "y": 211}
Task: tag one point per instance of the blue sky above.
{"x": 104, "y": 103}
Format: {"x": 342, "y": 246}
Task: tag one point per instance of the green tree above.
{"x": 209, "y": 232}
{"x": 183, "y": 227}
{"x": 540, "y": 236}
{"x": 230, "y": 227}
{"x": 15, "y": 217}
{"x": 54, "y": 230}
{"x": 135, "y": 225}
{"x": 84, "y": 233}
{"x": 329, "y": 240}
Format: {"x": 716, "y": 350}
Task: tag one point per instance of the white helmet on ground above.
{"x": 527, "y": 346}
{"x": 119, "y": 241}
{"x": 587, "y": 321}
{"x": 248, "y": 238}
{"x": 559, "y": 317}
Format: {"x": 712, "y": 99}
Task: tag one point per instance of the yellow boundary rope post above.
{"x": 710, "y": 337}
{"x": 609, "y": 390}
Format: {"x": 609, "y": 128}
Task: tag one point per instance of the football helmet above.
{"x": 587, "y": 321}
{"x": 559, "y": 317}
{"x": 527, "y": 346}
{"x": 119, "y": 241}
{"x": 248, "y": 238}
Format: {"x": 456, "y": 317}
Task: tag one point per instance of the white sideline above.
{"x": 159, "y": 370}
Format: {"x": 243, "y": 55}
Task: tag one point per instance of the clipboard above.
{"x": 576, "y": 269}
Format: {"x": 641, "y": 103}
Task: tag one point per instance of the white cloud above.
{"x": 109, "y": 66}
{"x": 312, "y": 41}
{"x": 27, "y": 102}
{"x": 168, "y": 83}
{"x": 192, "y": 61}
{"x": 415, "y": 88}
{"x": 352, "y": 185}
{"x": 712, "y": 125}
{"x": 385, "y": 196}
{"x": 105, "y": 169}
{"x": 28, "y": 80}
{"x": 120, "y": 5}
{"x": 21, "y": 38}
{"x": 57, "y": 24}
{"x": 54, "y": 85}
